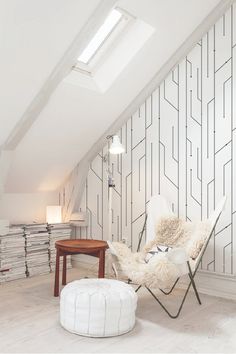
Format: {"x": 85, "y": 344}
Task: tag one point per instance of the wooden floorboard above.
{"x": 29, "y": 323}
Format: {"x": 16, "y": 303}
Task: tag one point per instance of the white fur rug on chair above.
{"x": 162, "y": 270}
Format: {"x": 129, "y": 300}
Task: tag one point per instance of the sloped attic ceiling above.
{"x": 38, "y": 35}
{"x": 35, "y": 35}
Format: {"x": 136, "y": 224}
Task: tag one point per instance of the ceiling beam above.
{"x": 180, "y": 53}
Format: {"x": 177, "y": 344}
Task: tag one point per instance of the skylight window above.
{"x": 100, "y": 37}
{"x": 110, "y": 51}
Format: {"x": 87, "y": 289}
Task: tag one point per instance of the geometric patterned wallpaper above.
{"x": 180, "y": 143}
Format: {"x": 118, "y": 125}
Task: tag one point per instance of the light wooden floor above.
{"x": 29, "y": 323}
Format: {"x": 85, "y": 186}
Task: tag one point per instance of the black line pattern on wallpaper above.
{"x": 181, "y": 143}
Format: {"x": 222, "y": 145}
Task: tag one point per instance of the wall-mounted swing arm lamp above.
{"x": 115, "y": 148}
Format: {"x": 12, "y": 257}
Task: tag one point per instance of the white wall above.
{"x": 180, "y": 143}
{"x": 26, "y": 208}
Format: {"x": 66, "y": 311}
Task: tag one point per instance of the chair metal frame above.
{"x": 191, "y": 275}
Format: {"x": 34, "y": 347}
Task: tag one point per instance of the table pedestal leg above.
{"x": 101, "y": 268}
{"x": 64, "y": 271}
{"x": 56, "y": 284}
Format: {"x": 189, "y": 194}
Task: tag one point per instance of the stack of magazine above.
{"x": 12, "y": 254}
{"x": 37, "y": 249}
{"x": 28, "y": 250}
{"x": 58, "y": 232}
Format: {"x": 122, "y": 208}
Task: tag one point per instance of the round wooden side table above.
{"x": 64, "y": 248}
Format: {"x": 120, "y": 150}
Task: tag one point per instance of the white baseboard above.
{"x": 216, "y": 284}
{"x": 207, "y": 283}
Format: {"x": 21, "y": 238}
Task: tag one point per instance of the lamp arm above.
{"x": 109, "y": 172}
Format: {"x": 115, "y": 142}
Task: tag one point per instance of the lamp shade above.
{"x": 116, "y": 146}
{"x": 53, "y": 214}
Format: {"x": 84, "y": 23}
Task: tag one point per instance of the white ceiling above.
{"x": 36, "y": 37}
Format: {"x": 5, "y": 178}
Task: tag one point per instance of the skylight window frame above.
{"x": 108, "y": 43}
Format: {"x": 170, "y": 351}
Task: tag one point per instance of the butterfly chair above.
{"x": 158, "y": 208}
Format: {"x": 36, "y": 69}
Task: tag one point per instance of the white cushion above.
{"x": 155, "y": 250}
{"x": 98, "y": 307}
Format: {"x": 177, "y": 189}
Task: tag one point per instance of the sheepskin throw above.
{"x": 174, "y": 232}
{"x": 160, "y": 271}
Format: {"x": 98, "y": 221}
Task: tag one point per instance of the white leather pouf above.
{"x": 98, "y": 307}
